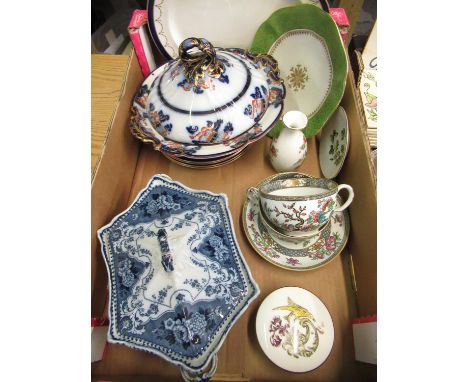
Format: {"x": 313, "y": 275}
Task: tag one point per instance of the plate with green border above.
{"x": 312, "y": 61}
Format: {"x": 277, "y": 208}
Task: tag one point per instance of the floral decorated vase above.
{"x": 289, "y": 148}
{"x": 301, "y": 205}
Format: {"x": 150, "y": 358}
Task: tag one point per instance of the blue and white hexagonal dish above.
{"x": 177, "y": 279}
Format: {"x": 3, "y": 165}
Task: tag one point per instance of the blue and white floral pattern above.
{"x": 183, "y": 307}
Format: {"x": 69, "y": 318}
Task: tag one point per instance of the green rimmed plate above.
{"x": 312, "y": 61}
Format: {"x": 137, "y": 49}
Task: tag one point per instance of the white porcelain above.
{"x": 142, "y": 127}
{"x": 295, "y": 329}
{"x": 290, "y": 256}
{"x": 312, "y": 60}
{"x": 334, "y": 144}
{"x": 293, "y": 241}
{"x": 170, "y": 22}
{"x": 209, "y": 95}
{"x": 308, "y": 72}
{"x": 301, "y": 204}
{"x": 225, "y": 98}
{"x": 177, "y": 279}
{"x": 289, "y": 149}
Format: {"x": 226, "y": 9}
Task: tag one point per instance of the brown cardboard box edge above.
{"x": 112, "y": 181}
{"x": 111, "y": 193}
{"x": 363, "y": 211}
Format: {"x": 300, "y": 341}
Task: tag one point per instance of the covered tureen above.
{"x": 222, "y": 98}
{"x": 178, "y": 280}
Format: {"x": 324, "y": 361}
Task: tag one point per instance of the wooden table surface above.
{"x": 107, "y": 78}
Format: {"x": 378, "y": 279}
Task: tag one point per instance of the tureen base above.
{"x": 203, "y": 375}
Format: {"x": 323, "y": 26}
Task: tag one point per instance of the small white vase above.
{"x": 289, "y": 148}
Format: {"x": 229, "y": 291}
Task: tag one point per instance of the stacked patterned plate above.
{"x": 205, "y": 108}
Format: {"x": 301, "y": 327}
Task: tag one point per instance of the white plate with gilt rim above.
{"x": 295, "y": 329}
{"x": 334, "y": 144}
{"x": 171, "y": 22}
{"x": 329, "y": 246}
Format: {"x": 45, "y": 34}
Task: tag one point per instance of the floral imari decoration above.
{"x": 257, "y": 106}
{"x": 297, "y": 77}
{"x": 338, "y": 146}
{"x": 298, "y": 332}
{"x": 141, "y": 97}
{"x": 202, "y": 84}
{"x": 176, "y": 274}
{"x": 159, "y": 120}
{"x": 211, "y": 132}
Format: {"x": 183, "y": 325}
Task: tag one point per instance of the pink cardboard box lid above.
{"x": 339, "y": 15}
{"x": 137, "y": 29}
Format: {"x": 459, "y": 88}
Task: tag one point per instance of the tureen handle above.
{"x": 198, "y": 56}
{"x": 166, "y": 255}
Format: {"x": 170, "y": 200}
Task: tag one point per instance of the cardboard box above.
{"x": 126, "y": 167}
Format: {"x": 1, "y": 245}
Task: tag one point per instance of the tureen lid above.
{"x": 210, "y": 95}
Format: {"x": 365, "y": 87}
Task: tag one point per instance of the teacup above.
{"x": 301, "y": 204}
{"x": 298, "y": 238}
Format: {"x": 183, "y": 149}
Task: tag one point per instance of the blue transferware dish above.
{"x": 208, "y": 101}
{"x": 177, "y": 279}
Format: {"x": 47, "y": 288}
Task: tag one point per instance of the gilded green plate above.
{"x": 312, "y": 61}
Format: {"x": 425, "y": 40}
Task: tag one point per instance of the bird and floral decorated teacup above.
{"x": 304, "y": 239}
{"x": 304, "y": 204}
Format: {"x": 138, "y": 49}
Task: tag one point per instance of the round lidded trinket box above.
{"x": 295, "y": 329}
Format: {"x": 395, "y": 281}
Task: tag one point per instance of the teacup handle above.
{"x": 252, "y": 190}
{"x": 350, "y": 197}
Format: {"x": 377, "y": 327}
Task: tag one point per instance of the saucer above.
{"x": 334, "y": 144}
{"x": 298, "y": 257}
{"x": 295, "y": 242}
{"x": 294, "y": 329}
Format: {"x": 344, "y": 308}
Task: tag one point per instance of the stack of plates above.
{"x": 224, "y": 23}
{"x": 205, "y": 163}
